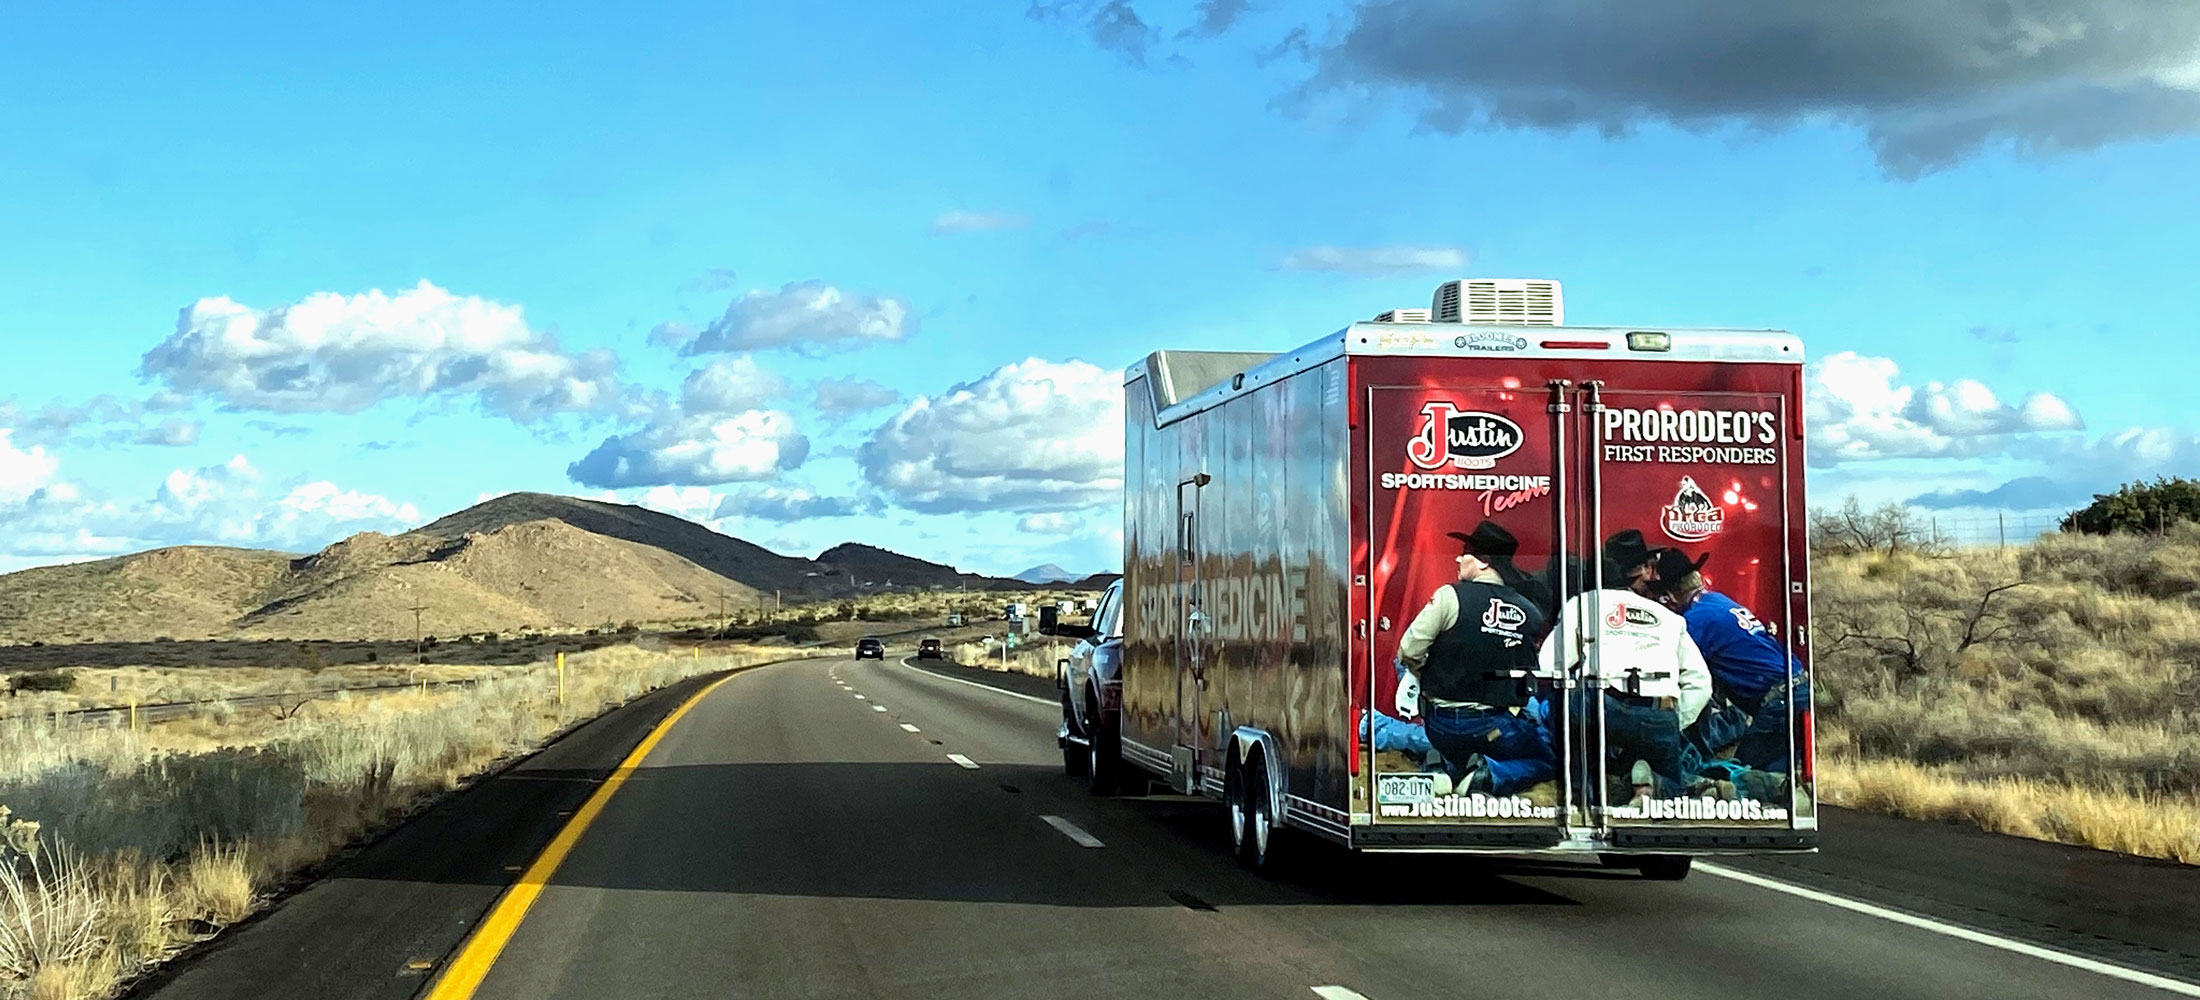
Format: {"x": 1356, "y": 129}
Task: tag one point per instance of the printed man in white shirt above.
{"x": 1655, "y": 682}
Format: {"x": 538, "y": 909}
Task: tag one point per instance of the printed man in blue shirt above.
{"x": 1750, "y": 668}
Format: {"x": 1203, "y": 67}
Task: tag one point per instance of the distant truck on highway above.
{"x": 1287, "y": 515}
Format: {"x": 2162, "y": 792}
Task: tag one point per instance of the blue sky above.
{"x": 403, "y": 258}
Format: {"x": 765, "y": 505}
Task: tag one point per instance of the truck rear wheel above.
{"x": 1666, "y": 867}
{"x": 1076, "y": 759}
{"x": 1103, "y": 757}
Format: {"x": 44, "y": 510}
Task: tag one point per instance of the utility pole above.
{"x": 722, "y": 595}
{"x": 416, "y": 610}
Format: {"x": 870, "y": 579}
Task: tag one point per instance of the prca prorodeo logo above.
{"x": 1692, "y": 516}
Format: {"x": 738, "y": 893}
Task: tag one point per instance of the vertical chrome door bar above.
{"x": 1592, "y": 408}
{"x": 1561, "y": 408}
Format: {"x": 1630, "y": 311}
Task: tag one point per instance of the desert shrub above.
{"x": 2139, "y": 508}
{"x": 628, "y": 628}
{"x": 1851, "y": 529}
{"x": 44, "y": 680}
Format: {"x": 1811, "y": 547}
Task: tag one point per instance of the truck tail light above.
{"x": 1806, "y": 738}
{"x": 1576, "y": 345}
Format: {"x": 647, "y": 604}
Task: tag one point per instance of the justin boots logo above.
{"x": 1466, "y": 439}
{"x": 1692, "y": 516}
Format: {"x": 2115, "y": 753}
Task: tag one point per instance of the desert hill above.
{"x": 729, "y": 557}
{"x": 523, "y": 560}
{"x": 873, "y": 567}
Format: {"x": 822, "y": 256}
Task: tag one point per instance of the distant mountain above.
{"x": 523, "y": 560}
{"x": 1097, "y": 581}
{"x": 1046, "y": 573}
{"x": 743, "y": 562}
{"x": 868, "y": 567}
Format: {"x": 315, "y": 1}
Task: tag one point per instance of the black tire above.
{"x": 1103, "y": 753}
{"x": 1076, "y": 761}
{"x": 1665, "y": 867}
{"x": 1254, "y": 847}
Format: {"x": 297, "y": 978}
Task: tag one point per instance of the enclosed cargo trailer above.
{"x": 1286, "y": 516}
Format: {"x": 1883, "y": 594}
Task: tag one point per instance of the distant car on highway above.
{"x": 870, "y": 646}
{"x": 928, "y": 649}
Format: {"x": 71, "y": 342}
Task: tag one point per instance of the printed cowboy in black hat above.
{"x": 1471, "y": 652}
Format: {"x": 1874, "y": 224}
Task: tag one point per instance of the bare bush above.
{"x": 2068, "y": 668}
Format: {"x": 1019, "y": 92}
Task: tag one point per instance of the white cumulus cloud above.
{"x": 808, "y": 317}
{"x": 784, "y": 504}
{"x": 1857, "y": 410}
{"x": 1376, "y": 260}
{"x": 718, "y": 431}
{"x": 839, "y": 397}
{"x": 704, "y": 449}
{"x": 1035, "y": 436}
{"x": 959, "y": 221}
{"x": 1050, "y": 524}
{"x": 334, "y": 353}
{"x": 227, "y": 504}
{"x": 23, "y": 471}
{"x": 730, "y": 386}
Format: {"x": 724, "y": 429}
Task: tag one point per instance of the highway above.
{"x": 832, "y": 828}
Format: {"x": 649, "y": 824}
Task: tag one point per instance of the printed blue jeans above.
{"x": 1516, "y": 752}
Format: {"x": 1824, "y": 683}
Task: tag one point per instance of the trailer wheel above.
{"x": 1666, "y": 867}
{"x": 1253, "y": 823}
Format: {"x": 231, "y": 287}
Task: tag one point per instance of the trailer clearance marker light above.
{"x": 1642, "y": 340}
{"x": 1576, "y": 345}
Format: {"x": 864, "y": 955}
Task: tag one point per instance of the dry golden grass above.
{"x": 2046, "y": 692}
{"x": 1037, "y": 661}
{"x": 2152, "y": 826}
{"x": 115, "y": 687}
{"x": 148, "y": 838}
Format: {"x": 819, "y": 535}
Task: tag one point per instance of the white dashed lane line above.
{"x": 1338, "y": 993}
{"x": 975, "y": 684}
{"x": 1070, "y": 830}
{"x": 964, "y": 761}
{"x": 877, "y": 707}
{"x": 911, "y": 728}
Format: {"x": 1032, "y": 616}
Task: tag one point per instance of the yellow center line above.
{"x": 463, "y": 976}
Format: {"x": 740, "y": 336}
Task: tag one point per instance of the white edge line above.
{"x": 1071, "y": 831}
{"x": 1958, "y": 932}
{"x": 964, "y": 761}
{"x": 1338, "y": 993}
{"x": 975, "y": 684}
{"x": 911, "y": 728}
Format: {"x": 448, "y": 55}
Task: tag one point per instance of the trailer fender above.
{"x": 1243, "y": 741}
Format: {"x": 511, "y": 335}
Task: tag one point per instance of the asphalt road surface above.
{"x": 840, "y": 829}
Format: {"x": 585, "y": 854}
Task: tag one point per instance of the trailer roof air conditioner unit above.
{"x": 1403, "y": 316}
{"x": 1510, "y": 301}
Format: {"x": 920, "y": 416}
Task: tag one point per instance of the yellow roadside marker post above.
{"x": 561, "y": 678}
{"x": 133, "y": 715}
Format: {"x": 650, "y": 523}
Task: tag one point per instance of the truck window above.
{"x": 1107, "y": 619}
